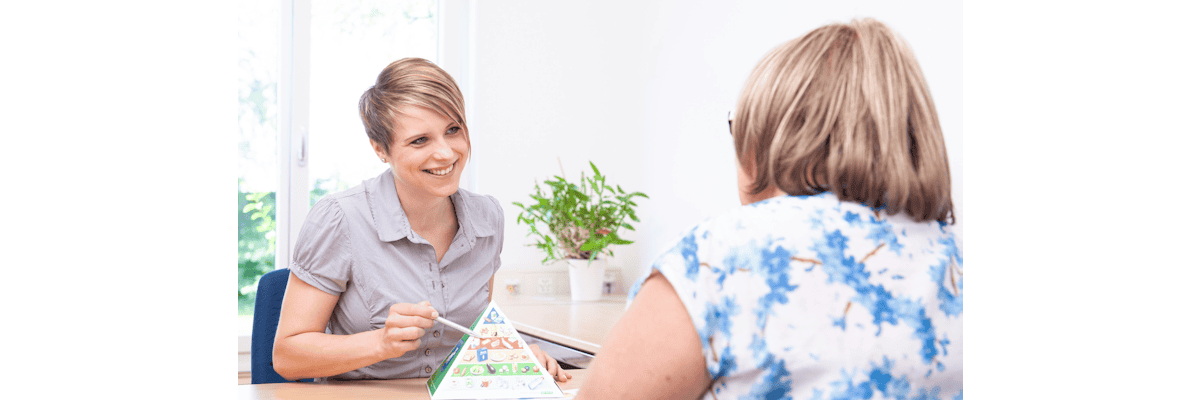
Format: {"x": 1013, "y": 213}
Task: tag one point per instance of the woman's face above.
{"x": 428, "y": 153}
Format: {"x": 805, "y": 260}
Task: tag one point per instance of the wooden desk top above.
{"x": 388, "y": 389}
{"x": 581, "y": 325}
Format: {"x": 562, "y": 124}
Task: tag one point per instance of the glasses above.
{"x": 730, "y": 115}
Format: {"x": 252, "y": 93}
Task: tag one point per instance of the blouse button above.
{"x": 437, "y": 333}
{"x": 427, "y": 352}
{"x": 428, "y": 370}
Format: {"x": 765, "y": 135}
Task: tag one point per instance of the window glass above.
{"x": 258, "y": 171}
{"x": 352, "y": 41}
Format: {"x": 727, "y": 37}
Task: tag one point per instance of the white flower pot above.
{"x": 586, "y": 278}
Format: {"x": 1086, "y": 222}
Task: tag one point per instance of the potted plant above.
{"x": 577, "y": 223}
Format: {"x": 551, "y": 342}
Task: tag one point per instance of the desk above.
{"x": 581, "y": 325}
{"x": 413, "y": 388}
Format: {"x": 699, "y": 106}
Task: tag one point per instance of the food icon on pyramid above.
{"x": 493, "y": 317}
{"x": 499, "y": 364}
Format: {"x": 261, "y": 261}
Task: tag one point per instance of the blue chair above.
{"x": 266, "y": 318}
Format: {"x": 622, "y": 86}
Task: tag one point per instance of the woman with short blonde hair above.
{"x": 377, "y": 264}
{"x": 837, "y": 277}
{"x": 409, "y": 82}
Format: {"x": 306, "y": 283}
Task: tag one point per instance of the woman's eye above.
{"x": 419, "y": 140}
{"x": 452, "y": 131}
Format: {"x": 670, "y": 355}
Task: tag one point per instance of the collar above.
{"x": 391, "y": 223}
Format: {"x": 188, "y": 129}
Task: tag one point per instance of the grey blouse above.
{"x": 357, "y": 244}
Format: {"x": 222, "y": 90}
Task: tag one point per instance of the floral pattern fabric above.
{"x": 808, "y": 297}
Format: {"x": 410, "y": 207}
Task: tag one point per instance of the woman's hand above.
{"x": 550, "y": 363}
{"x": 304, "y": 350}
{"x": 406, "y": 324}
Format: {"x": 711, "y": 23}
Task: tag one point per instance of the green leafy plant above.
{"x": 578, "y": 221}
{"x": 256, "y": 244}
{"x": 256, "y": 238}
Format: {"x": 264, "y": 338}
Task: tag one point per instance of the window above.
{"x": 258, "y": 132}
{"x": 302, "y": 66}
{"x": 351, "y": 43}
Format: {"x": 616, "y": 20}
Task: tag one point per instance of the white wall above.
{"x": 642, "y": 88}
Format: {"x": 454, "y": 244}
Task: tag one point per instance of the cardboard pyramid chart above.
{"x": 500, "y": 365}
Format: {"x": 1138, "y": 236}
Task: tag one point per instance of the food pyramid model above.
{"x": 500, "y": 365}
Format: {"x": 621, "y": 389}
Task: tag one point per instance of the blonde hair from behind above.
{"x": 845, "y": 108}
{"x": 410, "y": 82}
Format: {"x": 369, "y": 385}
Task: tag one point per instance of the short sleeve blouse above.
{"x": 358, "y": 244}
{"x": 809, "y": 297}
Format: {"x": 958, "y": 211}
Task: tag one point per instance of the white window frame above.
{"x": 291, "y": 200}
{"x": 456, "y": 54}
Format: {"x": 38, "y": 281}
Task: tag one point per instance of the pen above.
{"x": 457, "y": 327}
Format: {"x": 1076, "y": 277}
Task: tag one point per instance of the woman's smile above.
{"x": 441, "y": 171}
{"x": 425, "y": 152}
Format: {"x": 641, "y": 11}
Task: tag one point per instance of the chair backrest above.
{"x": 267, "y": 302}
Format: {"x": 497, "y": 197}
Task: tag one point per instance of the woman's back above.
{"x": 810, "y": 297}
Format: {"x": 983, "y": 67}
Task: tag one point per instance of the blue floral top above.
{"x": 807, "y": 297}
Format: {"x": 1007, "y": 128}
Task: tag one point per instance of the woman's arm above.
{"x": 653, "y": 352}
{"x": 304, "y": 350}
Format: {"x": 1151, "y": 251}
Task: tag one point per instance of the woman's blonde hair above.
{"x": 409, "y": 82}
{"x": 845, "y": 108}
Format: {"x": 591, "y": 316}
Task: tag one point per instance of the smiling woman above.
{"x": 415, "y": 121}
{"x": 376, "y": 264}
{"x": 427, "y": 154}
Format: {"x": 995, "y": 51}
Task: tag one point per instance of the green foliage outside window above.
{"x": 256, "y": 244}
{"x": 256, "y": 240}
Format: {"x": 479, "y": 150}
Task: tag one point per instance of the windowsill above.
{"x": 245, "y": 328}
{"x": 243, "y": 344}
{"x": 243, "y": 353}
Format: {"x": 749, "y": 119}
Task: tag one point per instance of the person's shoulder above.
{"x": 361, "y": 198}
{"x": 354, "y": 198}
{"x": 782, "y": 217}
{"x": 355, "y": 193}
{"x": 482, "y": 207}
{"x": 819, "y": 202}
{"x": 772, "y": 214}
{"x": 478, "y": 201}
{"x": 336, "y": 212}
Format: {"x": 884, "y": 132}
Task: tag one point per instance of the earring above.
{"x": 382, "y": 160}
